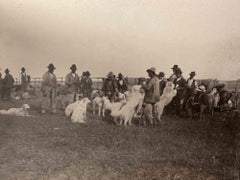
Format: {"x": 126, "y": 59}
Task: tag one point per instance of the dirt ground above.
{"x": 51, "y": 147}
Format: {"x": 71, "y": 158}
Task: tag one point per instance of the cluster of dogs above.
{"x": 128, "y": 106}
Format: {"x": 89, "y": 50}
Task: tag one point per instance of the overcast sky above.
{"x": 125, "y": 36}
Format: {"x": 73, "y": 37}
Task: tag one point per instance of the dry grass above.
{"x": 51, "y": 147}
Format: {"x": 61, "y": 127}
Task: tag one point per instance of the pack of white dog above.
{"x": 128, "y": 105}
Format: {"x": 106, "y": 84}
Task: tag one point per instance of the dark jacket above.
{"x": 109, "y": 85}
{"x": 8, "y": 81}
{"x": 122, "y": 85}
{"x": 162, "y": 85}
{"x": 181, "y": 85}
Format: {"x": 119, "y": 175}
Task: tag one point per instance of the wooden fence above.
{"x": 97, "y": 82}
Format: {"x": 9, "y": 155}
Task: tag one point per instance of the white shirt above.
{"x": 73, "y": 74}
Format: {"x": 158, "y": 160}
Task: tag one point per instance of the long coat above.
{"x": 49, "y": 82}
{"x": 8, "y": 81}
{"x": 72, "y": 82}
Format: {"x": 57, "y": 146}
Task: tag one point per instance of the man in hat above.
{"x": 72, "y": 82}
{"x": 122, "y": 84}
{"x": 191, "y": 85}
{"x": 8, "y": 83}
{"x": 49, "y": 85}
{"x": 162, "y": 82}
{"x": 152, "y": 94}
{"x": 23, "y": 79}
{"x": 86, "y": 83}
{"x": 179, "y": 99}
{"x": 173, "y": 76}
{"x": 109, "y": 87}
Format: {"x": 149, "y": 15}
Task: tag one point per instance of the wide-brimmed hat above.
{"x": 201, "y": 88}
{"x": 73, "y": 66}
{"x": 161, "y": 74}
{"x": 110, "y": 74}
{"x": 51, "y": 66}
{"x": 193, "y": 73}
{"x": 87, "y": 73}
{"x": 175, "y": 66}
{"x": 152, "y": 69}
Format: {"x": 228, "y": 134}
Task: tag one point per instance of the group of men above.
{"x": 7, "y": 83}
{"x": 78, "y": 85}
{"x": 73, "y": 82}
{"x": 154, "y": 86}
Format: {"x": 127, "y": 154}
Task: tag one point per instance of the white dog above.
{"x": 168, "y": 94}
{"x": 97, "y": 102}
{"x": 126, "y": 113}
{"x": 22, "y": 111}
{"x": 69, "y": 109}
{"x": 80, "y": 112}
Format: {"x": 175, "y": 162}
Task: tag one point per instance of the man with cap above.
{"x": 173, "y": 76}
{"x": 72, "y": 82}
{"x": 122, "y": 84}
{"x": 86, "y": 84}
{"x": 8, "y": 82}
{"x": 152, "y": 94}
{"x": 49, "y": 85}
{"x": 162, "y": 82}
{"x": 180, "y": 84}
{"x": 109, "y": 87}
{"x": 23, "y": 79}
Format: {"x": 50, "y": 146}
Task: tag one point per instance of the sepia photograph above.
{"x": 119, "y": 90}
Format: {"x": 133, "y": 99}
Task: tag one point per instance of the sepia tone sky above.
{"x": 121, "y": 36}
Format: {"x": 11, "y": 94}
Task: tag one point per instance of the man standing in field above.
{"x": 23, "y": 79}
{"x": 180, "y": 84}
{"x": 162, "y": 82}
{"x": 152, "y": 94}
{"x": 173, "y": 76}
{"x": 8, "y": 82}
{"x": 72, "y": 82}
{"x": 191, "y": 85}
{"x": 86, "y": 83}
{"x": 49, "y": 84}
{"x": 122, "y": 83}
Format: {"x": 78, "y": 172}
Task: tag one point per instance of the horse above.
{"x": 201, "y": 103}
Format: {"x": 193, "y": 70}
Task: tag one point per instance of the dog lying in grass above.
{"x": 22, "y": 111}
{"x": 78, "y": 110}
{"x": 169, "y": 92}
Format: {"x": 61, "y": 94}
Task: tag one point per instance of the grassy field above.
{"x": 51, "y": 147}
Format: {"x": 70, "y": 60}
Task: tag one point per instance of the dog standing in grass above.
{"x": 169, "y": 92}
